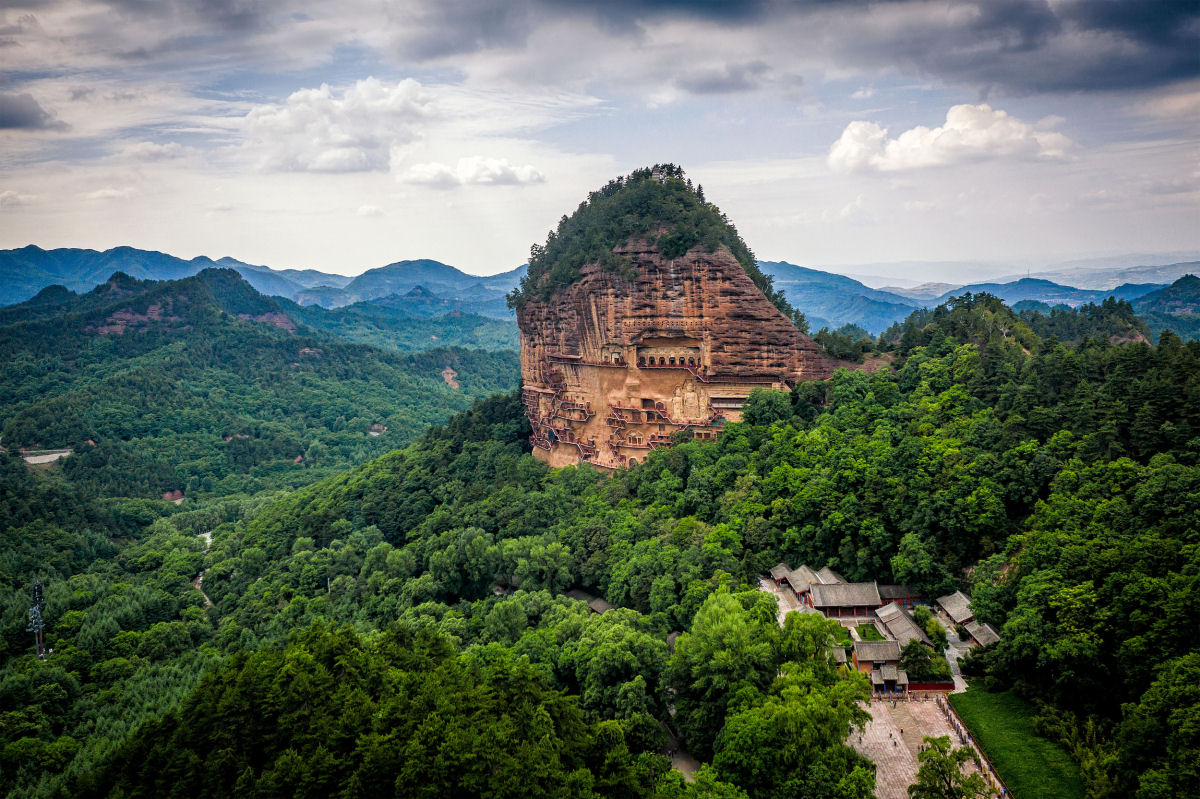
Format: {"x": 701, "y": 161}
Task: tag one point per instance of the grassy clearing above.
{"x": 868, "y": 632}
{"x": 1030, "y": 765}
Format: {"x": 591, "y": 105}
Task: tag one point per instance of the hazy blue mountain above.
{"x": 25, "y": 271}
{"x": 325, "y": 296}
{"x": 1046, "y": 291}
{"x": 427, "y": 289}
{"x": 922, "y": 292}
{"x": 1175, "y": 307}
{"x": 421, "y": 301}
{"x": 420, "y": 322}
{"x": 264, "y": 279}
{"x": 1109, "y": 277}
{"x": 1182, "y": 296}
{"x": 403, "y": 276}
{"x": 506, "y": 281}
{"x": 431, "y": 288}
{"x": 834, "y": 300}
{"x": 308, "y": 278}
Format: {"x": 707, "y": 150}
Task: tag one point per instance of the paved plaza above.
{"x": 893, "y": 738}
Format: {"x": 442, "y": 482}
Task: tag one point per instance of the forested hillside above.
{"x": 1175, "y": 308}
{"x": 388, "y": 326}
{"x": 375, "y": 632}
{"x": 204, "y": 386}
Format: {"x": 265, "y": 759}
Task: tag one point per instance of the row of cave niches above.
{"x": 626, "y": 425}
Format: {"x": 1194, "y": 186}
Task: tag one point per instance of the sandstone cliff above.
{"x": 617, "y": 361}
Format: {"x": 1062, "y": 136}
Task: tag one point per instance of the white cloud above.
{"x": 315, "y": 130}
{"x": 11, "y": 199}
{"x": 369, "y": 210}
{"x": 109, "y": 193}
{"x": 1183, "y": 104}
{"x": 475, "y": 170}
{"x": 971, "y": 133}
{"x": 863, "y": 93}
{"x": 153, "y": 151}
{"x": 852, "y": 209}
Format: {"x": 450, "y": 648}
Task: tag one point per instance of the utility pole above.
{"x": 36, "y": 625}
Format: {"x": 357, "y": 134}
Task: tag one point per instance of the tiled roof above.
{"x": 901, "y": 625}
{"x": 957, "y": 605}
{"x": 828, "y": 575}
{"x": 876, "y": 650}
{"x": 983, "y": 633}
{"x": 845, "y": 595}
{"x": 599, "y": 606}
{"x": 802, "y": 579}
{"x": 780, "y": 572}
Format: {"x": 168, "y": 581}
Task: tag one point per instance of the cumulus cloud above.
{"x": 475, "y": 170}
{"x": 23, "y": 112}
{"x": 318, "y": 130}
{"x": 970, "y": 133}
{"x": 369, "y": 210}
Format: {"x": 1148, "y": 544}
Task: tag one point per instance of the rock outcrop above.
{"x": 618, "y": 361}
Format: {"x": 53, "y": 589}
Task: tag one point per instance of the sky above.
{"x": 344, "y": 136}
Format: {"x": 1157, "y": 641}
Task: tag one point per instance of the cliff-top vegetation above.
{"x": 656, "y": 203}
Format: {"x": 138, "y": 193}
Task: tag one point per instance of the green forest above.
{"x": 382, "y": 326}
{"x": 225, "y": 392}
{"x": 378, "y": 631}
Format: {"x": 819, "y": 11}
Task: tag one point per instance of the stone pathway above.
{"x": 681, "y": 760}
{"x": 787, "y": 600}
{"x": 954, "y": 651}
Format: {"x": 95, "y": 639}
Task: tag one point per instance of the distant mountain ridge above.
{"x": 1181, "y": 297}
{"x": 389, "y": 326}
{"x": 1042, "y": 290}
{"x": 442, "y": 289}
{"x": 1105, "y": 277}
{"x": 27, "y": 270}
{"x": 830, "y": 300}
{"x": 1175, "y": 308}
{"x": 429, "y": 289}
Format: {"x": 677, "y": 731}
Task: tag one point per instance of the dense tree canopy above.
{"x": 1057, "y": 483}
{"x": 658, "y": 203}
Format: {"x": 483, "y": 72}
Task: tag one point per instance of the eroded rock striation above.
{"x": 617, "y": 361}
